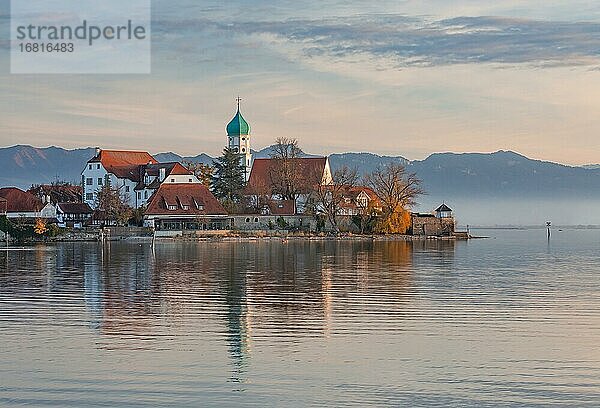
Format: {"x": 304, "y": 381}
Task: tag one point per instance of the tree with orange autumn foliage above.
{"x": 397, "y": 191}
{"x": 40, "y": 227}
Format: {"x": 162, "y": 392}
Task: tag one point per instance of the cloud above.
{"x": 417, "y": 41}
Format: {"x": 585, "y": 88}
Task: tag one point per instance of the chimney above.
{"x": 162, "y": 174}
{"x": 97, "y": 151}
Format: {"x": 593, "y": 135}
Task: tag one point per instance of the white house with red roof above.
{"x": 136, "y": 174}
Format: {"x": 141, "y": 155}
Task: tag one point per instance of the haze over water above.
{"x": 511, "y": 320}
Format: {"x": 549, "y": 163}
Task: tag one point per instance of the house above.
{"x": 438, "y": 223}
{"x": 357, "y": 200}
{"x": 153, "y": 175}
{"x": 179, "y": 207}
{"x": 279, "y": 207}
{"x": 306, "y": 173}
{"x": 137, "y": 175}
{"x": 74, "y": 215}
{"x": 16, "y": 203}
{"x": 443, "y": 211}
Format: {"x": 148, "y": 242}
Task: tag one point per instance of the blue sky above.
{"x": 392, "y": 77}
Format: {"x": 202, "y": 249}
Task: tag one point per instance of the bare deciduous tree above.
{"x": 113, "y": 202}
{"x": 286, "y": 173}
{"x": 397, "y": 190}
{"x": 327, "y": 199}
{"x": 202, "y": 171}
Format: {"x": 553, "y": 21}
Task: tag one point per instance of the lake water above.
{"x": 510, "y": 320}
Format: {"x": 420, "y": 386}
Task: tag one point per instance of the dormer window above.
{"x": 186, "y": 207}
{"x": 172, "y": 207}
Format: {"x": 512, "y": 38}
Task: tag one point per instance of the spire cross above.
{"x": 238, "y": 99}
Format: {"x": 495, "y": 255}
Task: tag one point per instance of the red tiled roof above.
{"x": 195, "y": 197}
{"x": 18, "y": 201}
{"x": 282, "y": 207}
{"x": 172, "y": 168}
{"x": 178, "y": 169}
{"x": 306, "y": 167}
{"x": 355, "y": 192}
{"x": 75, "y": 208}
{"x": 122, "y": 158}
{"x": 122, "y": 163}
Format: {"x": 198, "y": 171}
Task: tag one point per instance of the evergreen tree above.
{"x": 228, "y": 179}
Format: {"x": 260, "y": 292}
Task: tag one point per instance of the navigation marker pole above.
{"x": 548, "y": 225}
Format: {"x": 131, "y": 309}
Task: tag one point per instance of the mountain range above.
{"x": 486, "y": 188}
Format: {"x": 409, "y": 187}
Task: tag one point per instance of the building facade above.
{"x": 136, "y": 175}
{"x": 176, "y": 208}
{"x": 265, "y": 175}
{"x": 440, "y": 222}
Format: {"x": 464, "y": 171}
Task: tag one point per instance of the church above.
{"x": 261, "y": 173}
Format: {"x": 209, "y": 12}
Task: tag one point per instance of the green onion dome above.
{"x": 238, "y": 125}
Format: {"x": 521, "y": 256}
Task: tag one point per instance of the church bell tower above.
{"x": 238, "y": 135}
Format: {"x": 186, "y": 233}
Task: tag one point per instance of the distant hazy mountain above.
{"x": 23, "y": 166}
{"x": 173, "y": 157}
{"x": 364, "y": 162}
{"x": 503, "y": 174}
{"x": 496, "y": 188}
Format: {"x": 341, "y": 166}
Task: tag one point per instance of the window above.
{"x": 189, "y": 180}
{"x": 186, "y": 207}
{"x": 172, "y": 207}
{"x": 172, "y": 180}
{"x": 127, "y": 189}
{"x": 146, "y": 195}
{"x": 90, "y": 167}
{"x": 255, "y": 219}
{"x": 89, "y": 197}
{"x": 248, "y": 219}
{"x": 139, "y": 195}
{"x": 89, "y": 181}
{"x": 99, "y": 181}
{"x": 98, "y": 166}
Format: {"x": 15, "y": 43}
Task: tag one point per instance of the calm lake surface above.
{"x": 511, "y": 320}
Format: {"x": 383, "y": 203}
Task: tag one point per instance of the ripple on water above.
{"x": 507, "y": 321}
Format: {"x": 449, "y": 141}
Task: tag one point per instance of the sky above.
{"x": 397, "y": 77}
